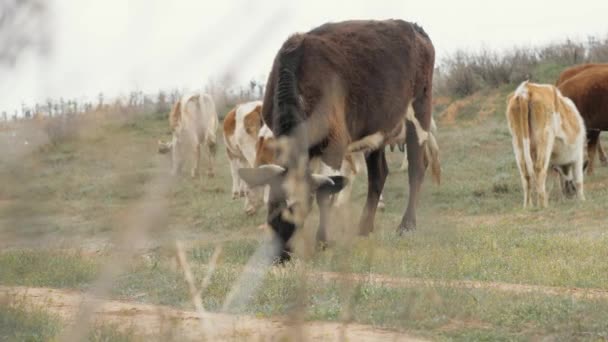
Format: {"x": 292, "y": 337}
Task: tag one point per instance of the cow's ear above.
{"x": 263, "y": 175}
{"x": 329, "y": 185}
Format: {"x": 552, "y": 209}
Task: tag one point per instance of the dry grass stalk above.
{"x": 194, "y": 292}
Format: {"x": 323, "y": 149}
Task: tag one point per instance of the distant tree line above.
{"x": 225, "y": 97}
{"x": 464, "y": 73}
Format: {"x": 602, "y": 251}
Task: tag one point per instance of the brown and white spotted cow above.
{"x": 353, "y": 164}
{"x": 430, "y": 156}
{"x": 342, "y": 84}
{"x": 193, "y": 121}
{"x": 241, "y": 127}
{"x": 587, "y": 86}
{"x": 547, "y": 131}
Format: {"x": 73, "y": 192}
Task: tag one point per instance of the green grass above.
{"x": 18, "y": 324}
{"x": 77, "y": 195}
{"x": 47, "y": 268}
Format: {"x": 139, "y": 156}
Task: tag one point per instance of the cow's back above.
{"x": 589, "y": 91}
{"x": 377, "y": 66}
{"x": 574, "y": 70}
{"x": 199, "y": 116}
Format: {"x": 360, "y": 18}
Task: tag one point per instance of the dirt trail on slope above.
{"x": 153, "y": 320}
{"x": 396, "y": 282}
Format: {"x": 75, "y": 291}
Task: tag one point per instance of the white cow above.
{"x": 547, "y": 131}
{"x": 194, "y": 122}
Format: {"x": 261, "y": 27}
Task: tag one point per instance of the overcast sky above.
{"x": 114, "y": 46}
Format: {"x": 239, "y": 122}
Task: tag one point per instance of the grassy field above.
{"x": 65, "y": 206}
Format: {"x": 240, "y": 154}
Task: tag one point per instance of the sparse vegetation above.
{"x": 464, "y": 73}
{"x": 65, "y": 205}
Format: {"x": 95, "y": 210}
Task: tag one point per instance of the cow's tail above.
{"x": 431, "y": 150}
{"x": 520, "y": 114}
{"x": 175, "y": 115}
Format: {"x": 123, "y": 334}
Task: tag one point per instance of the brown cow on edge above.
{"x": 330, "y": 88}
{"x": 588, "y": 89}
{"x": 569, "y": 73}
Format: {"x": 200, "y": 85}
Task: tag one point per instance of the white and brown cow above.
{"x": 353, "y": 164}
{"x": 241, "y": 128}
{"x": 193, "y": 121}
{"x": 430, "y": 156}
{"x": 547, "y": 131}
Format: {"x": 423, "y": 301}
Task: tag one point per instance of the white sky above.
{"x": 115, "y": 46}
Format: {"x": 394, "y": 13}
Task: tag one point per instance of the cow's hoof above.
{"x": 210, "y": 174}
{"x": 242, "y": 193}
{"x": 235, "y": 195}
{"x": 604, "y": 162}
{"x": 381, "y": 205}
{"x": 265, "y": 227}
{"x": 405, "y": 228}
{"x": 282, "y": 258}
{"x": 321, "y": 245}
{"x": 250, "y": 211}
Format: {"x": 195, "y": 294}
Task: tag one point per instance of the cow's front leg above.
{"x": 377, "y": 170}
{"x": 602, "y": 153}
{"x": 324, "y": 203}
{"x": 197, "y": 160}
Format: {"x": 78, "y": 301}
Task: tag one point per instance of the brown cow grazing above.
{"x": 547, "y": 132}
{"x": 335, "y": 86}
{"x": 587, "y": 85}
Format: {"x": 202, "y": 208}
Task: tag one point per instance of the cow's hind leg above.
{"x": 415, "y": 141}
{"x": 211, "y": 148}
{"x": 602, "y": 153}
{"x": 176, "y": 158}
{"x": 578, "y": 178}
{"x": 593, "y": 140}
{"x": 236, "y": 180}
{"x": 541, "y": 167}
{"x": 377, "y": 170}
{"x": 526, "y": 183}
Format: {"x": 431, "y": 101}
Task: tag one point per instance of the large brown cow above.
{"x": 334, "y": 86}
{"x": 594, "y": 135}
{"x": 588, "y": 89}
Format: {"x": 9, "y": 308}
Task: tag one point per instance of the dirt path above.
{"x": 155, "y": 320}
{"x": 395, "y": 282}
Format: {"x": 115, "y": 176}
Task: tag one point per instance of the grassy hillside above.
{"x": 65, "y": 206}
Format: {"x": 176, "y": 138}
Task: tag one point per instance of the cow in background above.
{"x": 433, "y": 148}
{"x": 547, "y": 131}
{"x": 587, "y": 86}
{"x": 241, "y": 128}
{"x": 193, "y": 121}
{"x": 353, "y": 164}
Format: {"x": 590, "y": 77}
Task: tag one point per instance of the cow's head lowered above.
{"x": 290, "y": 197}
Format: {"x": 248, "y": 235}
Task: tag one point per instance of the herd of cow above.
{"x": 337, "y": 95}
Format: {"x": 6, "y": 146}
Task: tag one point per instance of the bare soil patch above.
{"x": 153, "y": 320}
